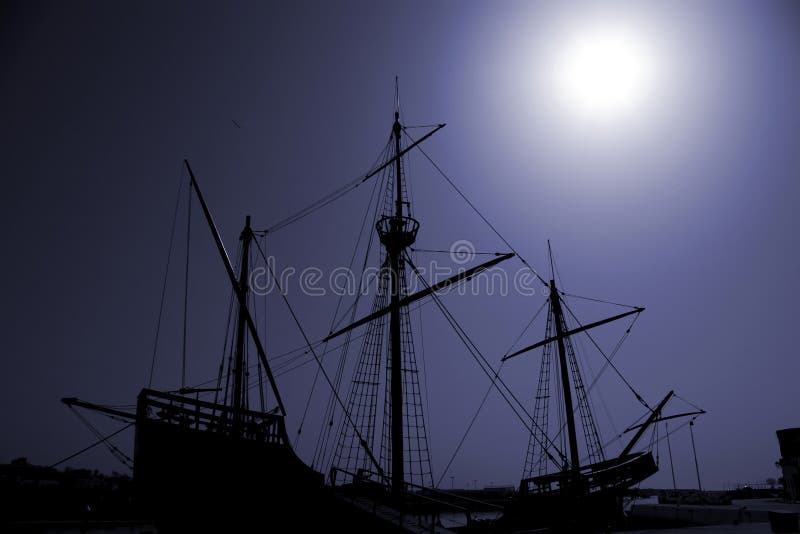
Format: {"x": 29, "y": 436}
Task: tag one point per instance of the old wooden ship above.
{"x": 208, "y": 455}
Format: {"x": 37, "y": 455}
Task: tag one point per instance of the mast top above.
{"x": 246, "y": 229}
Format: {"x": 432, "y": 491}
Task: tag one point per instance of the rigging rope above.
{"x": 662, "y": 438}
{"x": 475, "y": 209}
{"x": 186, "y": 290}
{"x": 565, "y": 294}
{"x": 227, "y": 349}
{"x": 671, "y": 465}
{"x": 281, "y": 369}
{"x": 485, "y": 397}
{"x": 425, "y": 376}
{"x": 95, "y": 444}
{"x": 266, "y": 324}
{"x": 323, "y": 451}
{"x": 123, "y": 458}
{"x": 486, "y": 367}
{"x": 262, "y": 398}
{"x": 595, "y": 379}
{"x": 319, "y": 362}
{"x": 653, "y": 437}
{"x": 561, "y": 422}
{"x": 338, "y": 305}
{"x": 696, "y": 407}
{"x": 284, "y": 368}
{"x": 166, "y": 276}
{"x": 614, "y": 367}
{"x": 327, "y": 199}
{"x": 272, "y": 359}
{"x": 615, "y": 350}
{"x": 618, "y": 436}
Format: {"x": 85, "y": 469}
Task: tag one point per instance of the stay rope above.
{"x": 319, "y": 363}
{"x": 486, "y": 396}
{"x": 488, "y": 370}
{"x": 477, "y": 211}
{"x": 166, "y": 276}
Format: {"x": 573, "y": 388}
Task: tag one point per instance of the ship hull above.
{"x": 579, "y": 502}
{"x": 187, "y": 474}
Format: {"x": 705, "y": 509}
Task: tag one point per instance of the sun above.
{"x": 604, "y": 71}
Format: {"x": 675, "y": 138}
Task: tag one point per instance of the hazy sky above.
{"x": 686, "y": 205}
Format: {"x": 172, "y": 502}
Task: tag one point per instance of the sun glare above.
{"x": 603, "y": 72}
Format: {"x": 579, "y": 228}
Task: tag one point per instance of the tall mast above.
{"x": 403, "y": 424}
{"x": 555, "y": 302}
{"x": 238, "y": 370}
{"x": 394, "y": 247}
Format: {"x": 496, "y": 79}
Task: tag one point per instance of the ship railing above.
{"x": 418, "y": 501}
{"x": 197, "y": 414}
{"x": 615, "y": 473}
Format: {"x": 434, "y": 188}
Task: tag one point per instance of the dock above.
{"x": 744, "y": 516}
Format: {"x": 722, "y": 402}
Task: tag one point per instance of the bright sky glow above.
{"x": 603, "y": 72}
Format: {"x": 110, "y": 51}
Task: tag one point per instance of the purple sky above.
{"x": 692, "y": 214}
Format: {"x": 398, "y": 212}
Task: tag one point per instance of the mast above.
{"x": 241, "y": 334}
{"x": 403, "y": 439}
{"x": 394, "y": 248}
{"x": 251, "y": 325}
{"x": 555, "y": 301}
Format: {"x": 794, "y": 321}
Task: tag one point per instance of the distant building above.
{"x": 39, "y": 493}
{"x": 789, "y": 442}
{"x": 499, "y": 491}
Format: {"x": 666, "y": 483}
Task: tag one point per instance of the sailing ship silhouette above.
{"x": 199, "y": 451}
